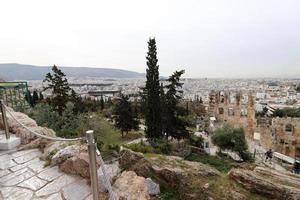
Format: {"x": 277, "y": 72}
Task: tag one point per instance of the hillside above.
{"x": 13, "y": 71}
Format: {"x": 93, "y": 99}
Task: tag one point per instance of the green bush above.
{"x": 161, "y": 146}
{"x": 140, "y": 147}
{"x": 220, "y": 164}
{"x": 233, "y": 139}
{"x": 196, "y": 141}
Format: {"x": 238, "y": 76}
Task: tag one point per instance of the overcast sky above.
{"x": 211, "y": 38}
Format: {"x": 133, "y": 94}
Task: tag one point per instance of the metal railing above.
{"x": 92, "y": 151}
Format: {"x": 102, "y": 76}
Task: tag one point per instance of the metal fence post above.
{"x": 93, "y": 165}
{"x": 3, "y": 112}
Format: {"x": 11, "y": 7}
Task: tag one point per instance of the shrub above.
{"x": 140, "y": 147}
{"x": 228, "y": 138}
{"x": 161, "y": 146}
{"x": 196, "y": 141}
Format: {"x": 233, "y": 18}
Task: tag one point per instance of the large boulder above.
{"x": 112, "y": 171}
{"x": 187, "y": 177}
{"x": 153, "y": 188}
{"x": 64, "y": 154}
{"x": 25, "y": 135}
{"x": 129, "y": 186}
{"x": 78, "y": 165}
{"x": 272, "y": 183}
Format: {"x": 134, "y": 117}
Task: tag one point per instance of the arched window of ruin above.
{"x": 289, "y": 128}
{"x": 230, "y": 111}
{"x": 243, "y": 113}
{"x": 221, "y": 111}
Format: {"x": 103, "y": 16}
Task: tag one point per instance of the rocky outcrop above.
{"x": 66, "y": 153}
{"x": 129, "y": 186}
{"x": 153, "y": 188}
{"x": 112, "y": 171}
{"x": 187, "y": 177}
{"x": 77, "y": 165}
{"x": 25, "y": 135}
{"x": 274, "y": 184}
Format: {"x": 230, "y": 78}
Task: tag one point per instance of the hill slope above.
{"x": 13, "y": 71}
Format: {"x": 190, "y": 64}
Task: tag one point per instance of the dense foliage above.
{"x": 125, "y": 119}
{"x": 173, "y": 121}
{"x": 151, "y": 94}
{"x": 233, "y": 139}
{"x": 287, "y": 112}
{"x": 58, "y": 83}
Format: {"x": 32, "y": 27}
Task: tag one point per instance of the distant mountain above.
{"x": 14, "y": 71}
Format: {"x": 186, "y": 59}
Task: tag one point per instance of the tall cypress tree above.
{"x": 152, "y": 89}
{"x": 101, "y": 103}
{"x": 35, "y": 97}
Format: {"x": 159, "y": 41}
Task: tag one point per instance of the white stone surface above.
{"x": 21, "y": 153}
{"x": 22, "y": 166}
{"x": 15, "y": 193}
{"x": 4, "y": 172}
{"x": 78, "y": 190}
{"x": 11, "y": 143}
{"x": 33, "y": 183}
{"x": 50, "y": 174}
{"x": 27, "y": 157}
{"x": 7, "y": 164}
{"x": 56, "y": 185}
{"x": 18, "y": 178}
{"x": 56, "y": 196}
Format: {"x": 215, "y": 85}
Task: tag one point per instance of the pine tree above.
{"x": 152, "y": 99}
{"x": 125, "y": 119}
{"x": 35, "y": 98}
{"x": 101, "y": 103}
{"x": 77, "y": 102}
{"x": 41, "y": 96}
{"x": 58, "y": 83}
{"x": 28, "y": 98}
{"x": 174, "y": 123}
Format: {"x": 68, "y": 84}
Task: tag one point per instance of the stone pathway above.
{"x": 24, "y": 177}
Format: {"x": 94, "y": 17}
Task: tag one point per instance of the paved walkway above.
{"x": 24, "y": 177}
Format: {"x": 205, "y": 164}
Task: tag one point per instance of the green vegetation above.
{"x": 125, "y": 119}
{"x": 151, "y": 94}
{"x": 287, "y": 112}
{"x": 233, "y": 139}
{"x": 58, "y": 83}
{"x": 160, "y": 146}
{"x": 221, "y": 164}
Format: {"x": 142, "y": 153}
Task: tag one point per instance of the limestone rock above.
{"x": 186, "y": 176}
{"x": 77, "y": 165}
{"x": 53, "y": 147}
{"x": 127, "y": 157}
{"x": 129, "y": 186}
{"x": 20, "y": 131}
{"x": 112, "y": 171}
{"x": 153, "y": 188}
{"x": 65, "y": 153}
{"x": 274, "y": 184}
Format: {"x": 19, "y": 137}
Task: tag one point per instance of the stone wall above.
{"x": 238, "y": 110}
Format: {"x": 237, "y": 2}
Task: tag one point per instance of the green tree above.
{"x": 151, "y": 94}
{"x": 125, "y": 119}
{"x": 41, "y": 96}
{"x": 58, "y": 83}
{"x": 233, "y": 139}
{"x": 176, "y": 125}
{"x": 28, "y": 98}
{"x": 102, "y": 103}
{"x": 35, "y": 97}
{"x": 77, "y": 102}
